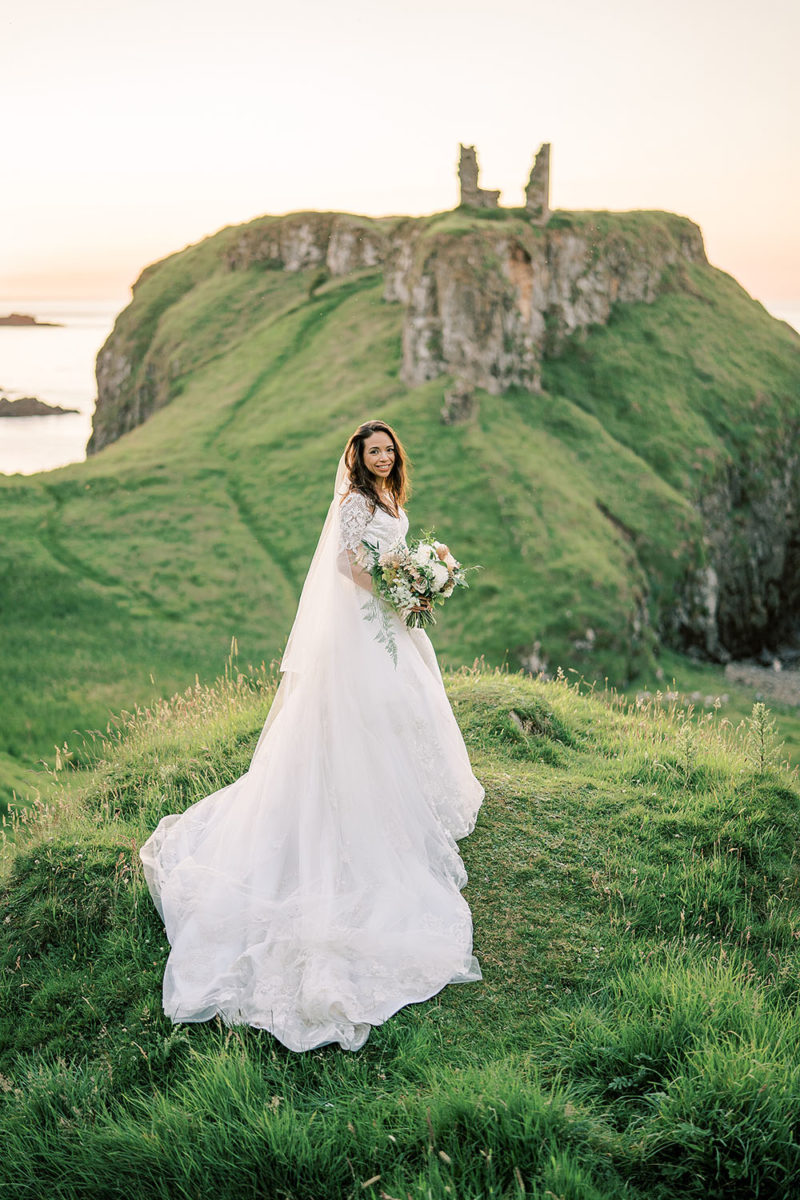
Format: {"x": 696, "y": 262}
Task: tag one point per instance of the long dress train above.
{"x": 320, "y": 892}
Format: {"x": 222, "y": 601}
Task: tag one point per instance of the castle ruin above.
{"x": 537, "y": 193}
{"x": 468, "y": 178}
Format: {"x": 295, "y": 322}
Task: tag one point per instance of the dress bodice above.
{"x": 385, "y": 530}
{"x": 358, "y": 523}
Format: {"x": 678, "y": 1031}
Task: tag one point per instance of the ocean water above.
{"x": 57, "y": 365}
{"x": 790, "y": 313}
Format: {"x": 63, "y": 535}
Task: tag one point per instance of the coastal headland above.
{"x": 24, "y": 321}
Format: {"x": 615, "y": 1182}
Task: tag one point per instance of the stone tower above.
{"x": 537, "y": 193}
{"x": 468, "y": 178}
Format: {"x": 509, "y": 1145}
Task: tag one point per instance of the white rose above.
{"x": 441, "y": 575}
{"x": 424, "y": 554}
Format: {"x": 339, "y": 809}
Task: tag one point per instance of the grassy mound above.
{"x": 635, "y": 891}
{"x": 125, "y": 576}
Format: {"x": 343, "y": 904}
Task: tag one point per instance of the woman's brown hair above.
{"x": 362, "y": 479}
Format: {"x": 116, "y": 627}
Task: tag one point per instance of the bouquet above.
{"x": 409, "y": 573}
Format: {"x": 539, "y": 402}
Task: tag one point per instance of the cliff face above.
{"x": 483, "y": 300}
{"x": 487, "y": 304}
{"x": 136, "y": 373}
{"x": 747, "y": 596}
{"x": 490, "y": 300}
{"x": 335, "y": 241}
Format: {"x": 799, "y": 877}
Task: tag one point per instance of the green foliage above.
{"x": 127, "y": 575}
{"x": 700, "y": 1062}
{"x": 763, "y": 749}
{"x": 633, "y": 874}
{"x": 636, "y": 898}
{"x": 663, "y": 377}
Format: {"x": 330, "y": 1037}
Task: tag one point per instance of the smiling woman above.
{"x": 379, "y": 453}
{"x": 378, "y": 465}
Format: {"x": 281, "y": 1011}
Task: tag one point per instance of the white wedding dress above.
{"x": 321, "y": 891}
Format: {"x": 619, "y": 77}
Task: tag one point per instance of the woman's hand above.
{"x": 351, "y": 566}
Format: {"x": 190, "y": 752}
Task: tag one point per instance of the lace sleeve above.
{"x": 354, "y": 516}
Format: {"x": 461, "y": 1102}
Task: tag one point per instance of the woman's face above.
{"x": 378, "y": 454}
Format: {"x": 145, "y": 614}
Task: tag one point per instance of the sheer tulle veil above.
{"x": 328, "y": 613}
{"x": 327, "y": 581}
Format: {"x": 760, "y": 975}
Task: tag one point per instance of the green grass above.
{"x": 678, "y": 388}
{"x": 635, "y": 891}
{"x": 126, "y": 576}
{"x": 704, "y": 687}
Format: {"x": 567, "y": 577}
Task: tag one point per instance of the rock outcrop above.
{"x": 747, "y": 597}
{"x": 30, "y": 406}
{"x": 24, "y": 321}
{"x": 488, "y": 303}
{"x": 460, "y": 405}
{"x": 135, "y": 376}
{"x": 338, "y": 242}
{"x": 483, "y": 301}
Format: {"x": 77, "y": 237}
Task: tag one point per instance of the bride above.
{"x": 321, "y": 891}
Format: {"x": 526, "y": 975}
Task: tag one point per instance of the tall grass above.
{"x": 634, "y": 885}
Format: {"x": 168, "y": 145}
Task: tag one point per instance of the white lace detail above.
{"x": 354, "y": 516}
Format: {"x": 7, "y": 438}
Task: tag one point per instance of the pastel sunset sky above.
{"x": 130, "y": 130}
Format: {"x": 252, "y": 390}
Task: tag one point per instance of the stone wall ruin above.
{"x": 537, "y": 192}
{"x": 468, "y": 178}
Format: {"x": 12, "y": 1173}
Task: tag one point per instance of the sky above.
{"x": 132, "y": 129}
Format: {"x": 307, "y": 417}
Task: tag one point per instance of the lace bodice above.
{"x": 358, "y": 523}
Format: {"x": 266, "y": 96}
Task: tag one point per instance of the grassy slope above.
{"x": 634, "y": 885}
{"x": 126, "y": 575}
{"x": 677, "y": 388}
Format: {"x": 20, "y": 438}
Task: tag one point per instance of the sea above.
{"x": 57, "y": 366}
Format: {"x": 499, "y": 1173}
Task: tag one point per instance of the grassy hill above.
{"x": 123, "y": 577}
{"x": 634, "y": 886}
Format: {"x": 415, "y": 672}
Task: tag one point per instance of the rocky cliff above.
{"x": 486, "y": 304}
{"x": 745, "y": 600}
{"x": 496, "y": 303}
{"x": 482, "y": 299}
{"x": 485, "y": 299}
